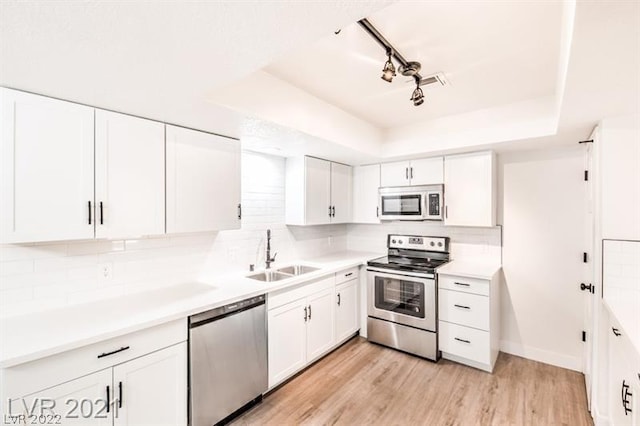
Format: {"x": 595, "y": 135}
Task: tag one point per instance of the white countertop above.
{"x": 36, "y": 335}
{"x": 471, "y": 269}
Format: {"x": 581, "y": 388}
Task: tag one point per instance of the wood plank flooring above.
{"x": 366, "y": 384}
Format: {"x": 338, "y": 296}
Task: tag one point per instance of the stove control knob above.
{"x": 399, "y": 241}
{"x": 393, "y": 241}
{"x": 439, "y": 244}
{"x": 432, "y": 244}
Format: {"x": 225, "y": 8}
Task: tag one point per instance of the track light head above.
{"x": 389, "y": 70}
{"x": 417, "y": 96}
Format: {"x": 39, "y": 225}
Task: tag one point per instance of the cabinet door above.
{"x": 203, "y": 181}
{"x": 46, "y": 177}
{"x": 394, "y": 174}
{"x": 366, "y": 181}
{"x": 129, "y": 176}
{"x": 317, "y": 191}
{"x": 427, "y": 171}
{"x": 287, "y": 340}
{"x": 469, "y": 189}
{"x": 346, "y": 309}
{"x": 81, "y": 401}
{"x": 152, "y": 389}
{"x": 341, "y": 193}
{"x": 320, "y": 328}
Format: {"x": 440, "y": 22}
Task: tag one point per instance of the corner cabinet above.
{"x": 470, "y": 186}
{"x": 136, "y": 379}
{"x": 308, "y": 321}
{"x": 47, "y": 169}
{"x": 366, "y": 182}
{"x": 203, "y": 181}
{"x": 318, "y": 192}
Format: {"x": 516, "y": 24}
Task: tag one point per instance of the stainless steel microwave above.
{"x": 411, "y": 202}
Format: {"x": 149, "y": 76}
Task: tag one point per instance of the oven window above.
{"x": 408, "y": 205}
{"x": 401, "y": 296}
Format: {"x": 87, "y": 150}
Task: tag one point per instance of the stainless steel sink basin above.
{"x": 297, "y": 269}
{"x": 269, "y": 276}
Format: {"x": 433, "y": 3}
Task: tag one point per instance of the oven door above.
{"x": 403, "y": 298}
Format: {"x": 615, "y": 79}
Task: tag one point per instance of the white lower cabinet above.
{"x": 469, "y": 322}
{"x": 308, "y": 321}
{"x": 107, "y": 383}
{"x": 346, "y": 310}
{"x": 624, "y": 379}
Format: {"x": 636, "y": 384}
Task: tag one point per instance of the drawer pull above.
{"x": 462, "y": 340}
{"x": 462, "y": 306}
{"x": 119, "y": 394}
{"x": 349, "y": 274}
{"x": 102, "y": 355}
{"x": 616, "y": 332}
{"x": 462, "y": 284}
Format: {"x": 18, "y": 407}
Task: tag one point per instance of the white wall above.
{"x": 544, "y": 213}
{"x": 43, "y": 276}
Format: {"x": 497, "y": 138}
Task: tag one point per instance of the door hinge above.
{"x": 586, "y": 175}
{"x": 584, "y": 336}
{"x": 584, "y": 257}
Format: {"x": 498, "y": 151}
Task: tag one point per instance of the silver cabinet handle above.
{"x": 462, "y": 307}
{"x": 462, "y": 340}
{"x": 462, "y": 284}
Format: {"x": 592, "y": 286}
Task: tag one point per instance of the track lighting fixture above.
{"x": 417, "y": 96}
{"x": 389, "y": 70}
{"x": 406, "y": 68}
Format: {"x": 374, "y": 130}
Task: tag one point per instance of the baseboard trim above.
{"x": 541, "y": 355}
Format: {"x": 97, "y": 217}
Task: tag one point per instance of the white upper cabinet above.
{"x": 318, "y": 192}
{"x": 46, "y": 188}
{"x": 203, "y": 181}
{"x": 366, "y": 181}
{"x": 470, "y": 189}
{"x": 129, "y": 176}
{"x": 426, "y": 171}
{"x": 618, "y": 146}
{"x": 340, "y": 193}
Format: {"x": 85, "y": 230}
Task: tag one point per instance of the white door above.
{"x": 346, "y": 309}
{"x": 469, "y": 190}
{"x": 320, "y": 328}
{"x": 82, "y": 401}
{"x": 46, "y": 177}
{"x": 152, "y": 390}
{"x": 129, "y": 176}
{"x": 317, "y": 191}
{"x": 341, "y": 193}
{"x": 427, "y": 171}
{"x": 394, "y": 174}
{"x": 203, "y": 181}
{"x": 366, "y": 181}
{"x": 287, "y": 340}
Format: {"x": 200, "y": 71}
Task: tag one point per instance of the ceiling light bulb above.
{"x": 417, "y": 96}
{"x": 389, "y": 70}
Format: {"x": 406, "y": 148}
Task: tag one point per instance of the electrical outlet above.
{"x": 105, "y": 271}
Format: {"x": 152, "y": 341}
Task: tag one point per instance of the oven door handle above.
{"x": 394, "y": 273}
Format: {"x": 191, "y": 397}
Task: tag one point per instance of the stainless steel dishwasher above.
{"x": 227, "y": 360}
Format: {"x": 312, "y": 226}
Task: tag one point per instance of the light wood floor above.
{"x": 366, "y": 384}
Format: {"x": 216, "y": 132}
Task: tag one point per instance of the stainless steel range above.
{"x": 402, "y": 295}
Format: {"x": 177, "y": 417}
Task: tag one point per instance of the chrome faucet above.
{"x": 269, "y": 260}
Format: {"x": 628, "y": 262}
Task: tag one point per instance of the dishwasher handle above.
{"x": 225, "y": 311}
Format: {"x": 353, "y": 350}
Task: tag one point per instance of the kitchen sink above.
{"x": 269, "y": 276}
{"x": 297, "y": 269}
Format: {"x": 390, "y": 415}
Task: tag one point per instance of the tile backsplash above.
{"x": 48, "y": 275}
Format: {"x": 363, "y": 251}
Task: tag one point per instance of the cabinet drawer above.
{"x": 40, "y": 374}
{"x": 467, "y": 285}
{"x": 466, "y": 309}
{"x": 464, "y": 342}
{"x": 347, "y": 275}
{"x": 287, "y": 295}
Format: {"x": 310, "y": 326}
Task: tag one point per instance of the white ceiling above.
{"x": 156, "y": 59}
{"x": 492, "y": 53}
